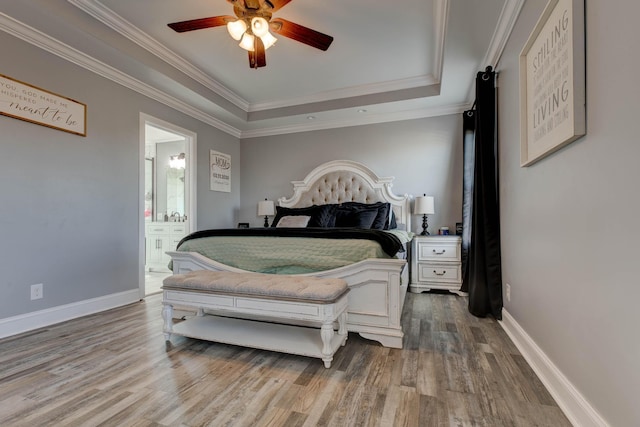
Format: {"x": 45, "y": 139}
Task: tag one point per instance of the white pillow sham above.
{"x": 298, "y": 221}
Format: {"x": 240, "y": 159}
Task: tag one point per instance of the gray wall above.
{"x": 570, "y": 244}
{"x": 69, "y": 211}
{"x": 424, "y": 156}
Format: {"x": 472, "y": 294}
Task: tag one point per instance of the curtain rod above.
{"x": 487, "y": 70}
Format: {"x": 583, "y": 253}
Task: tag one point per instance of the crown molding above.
{"x": 506, "y": 21}
{"x": 365, "y": 120}
{"x": 130, "y": 31}
{"x": 349, "y": 92}
{"x": 62, "y": 50}
{"x": 39, "y": 39}
{"x": 142, "y": 39}
{"x": 440, "y": 20}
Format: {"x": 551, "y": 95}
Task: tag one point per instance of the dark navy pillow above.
{"x": 321, "y": 216}
{"x": 356, "y": 218}
{"x": 392, "y": 223}
{"x": 381, "y": 220}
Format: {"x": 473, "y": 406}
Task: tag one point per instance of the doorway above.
{"x": 167, "y": 196}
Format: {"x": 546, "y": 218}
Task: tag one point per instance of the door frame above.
{"x": 190, "y": 182}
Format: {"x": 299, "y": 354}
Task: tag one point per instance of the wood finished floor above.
{"x": 114, "y": 369}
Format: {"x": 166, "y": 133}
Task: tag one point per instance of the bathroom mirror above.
{"x": 175, "y": 191}
{"x": 165, "y": 184}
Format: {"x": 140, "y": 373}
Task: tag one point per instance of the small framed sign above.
{"x": 26, "y": 102}
{"x": 220, "y": 171}
{"x": 552, "y": 81}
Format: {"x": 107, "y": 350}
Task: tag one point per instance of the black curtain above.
{"x": 482, "y": 273}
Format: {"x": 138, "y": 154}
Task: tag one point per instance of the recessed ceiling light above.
{"x": 311, "y": 117}
{"x": 362, "y": 110}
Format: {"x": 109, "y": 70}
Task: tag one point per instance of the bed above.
{"x": 377, "y": 278}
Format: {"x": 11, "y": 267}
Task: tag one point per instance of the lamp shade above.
{"x": 266, "y": 208}
{"x": 237, "y": 28}
{"x": 247, "y": 42}
{"x": 424, "y": 205}
{"x": 259, "y": 26}
{"x": 268, "y": 40}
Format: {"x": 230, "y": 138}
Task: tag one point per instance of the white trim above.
{"x": 142, "y": 39}
{"x": 39, "y": 319}
{"x": 440, "y": 21}
{"x": 577, "y": 409}
{"x": 64, "y": 51}
{"x": 348, "y": 92}
{"x": 365, "y": 120}
{"x": 51, "y": 45}
{"x": 191, "y": 150}
{"x": 142, "y": 230}
{"x": 506, "y": 22}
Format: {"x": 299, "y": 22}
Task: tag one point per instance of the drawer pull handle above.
{"x": 439, "y": 253}
{"x": 439, "y": 274}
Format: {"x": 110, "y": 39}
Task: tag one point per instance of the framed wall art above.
{"x": 552, "y": 81}
{"x": 26, "y": 102}
{"x": 220, "y": 171}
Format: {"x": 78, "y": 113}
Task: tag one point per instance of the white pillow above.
{"x": 298, "y": 221}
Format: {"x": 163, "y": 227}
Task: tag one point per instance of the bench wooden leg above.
{"x": 342, "y": 326}
{"x": 326, "y": 333}
{"x": 167, "y": 315}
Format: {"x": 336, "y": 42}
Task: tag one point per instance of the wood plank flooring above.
{"x": 114, "y": 369}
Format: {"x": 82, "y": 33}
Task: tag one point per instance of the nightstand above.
{"x": 436, "y": 264}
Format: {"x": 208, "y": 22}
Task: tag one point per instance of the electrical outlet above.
{"x": 36, "y": 291}
{"x": 507, "y": 291}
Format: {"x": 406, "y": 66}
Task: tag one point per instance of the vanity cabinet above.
{"x": 160, "y": 238}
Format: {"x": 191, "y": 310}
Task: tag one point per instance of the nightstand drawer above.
{"x": 438, "y": 251}
{"x": 439, "y": 273}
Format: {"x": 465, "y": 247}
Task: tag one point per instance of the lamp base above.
{"x": 266, "y": 221}
{"x": 424, "y": 226}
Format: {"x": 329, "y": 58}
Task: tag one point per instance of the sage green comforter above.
{"x": 284, "y": 255}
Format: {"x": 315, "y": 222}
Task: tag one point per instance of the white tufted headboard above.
{"x": 341, "y": 181}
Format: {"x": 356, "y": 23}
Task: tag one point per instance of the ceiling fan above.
{"x": 251, "y": 27}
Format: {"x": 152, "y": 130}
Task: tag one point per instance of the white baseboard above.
{"x": 39, "y": 319}
{"x": 576, "y": 408}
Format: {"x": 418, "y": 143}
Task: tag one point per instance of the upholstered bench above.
{"x": 257, "y": 310}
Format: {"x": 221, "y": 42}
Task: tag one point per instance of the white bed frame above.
{"x": 377, "y": 286}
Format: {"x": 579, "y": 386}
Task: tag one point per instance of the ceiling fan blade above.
{"x": 258, "y": 58}
{"x": 199, "y": 24}
{"x": 277, "y": 4}
{"x": 302, "y": 34}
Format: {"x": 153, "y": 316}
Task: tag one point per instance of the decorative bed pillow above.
{"x": 381, "y": 219}
{"x": 356, "y": 218}
{"x": 321, "y": 216}
{"x": 297, "y": 221}
{"x": 392, "y": 221}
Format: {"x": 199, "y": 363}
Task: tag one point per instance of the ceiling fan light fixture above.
{"x": 237, "y": 28}
{"x": 248, "y": 42}
{"x": 259, "y": 26}
{"x": 268, "y": 40}
{"x": 253, "y": 28}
